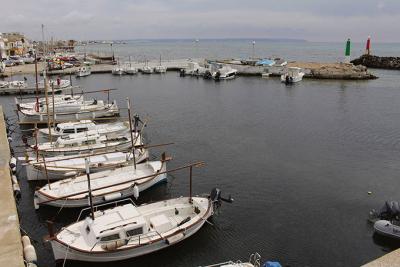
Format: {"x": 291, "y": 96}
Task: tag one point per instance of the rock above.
{"x": 370, "y": 61}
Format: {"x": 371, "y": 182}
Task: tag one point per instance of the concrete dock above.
{"x": 391, "y": 259}
{"x": 11, "y": 253}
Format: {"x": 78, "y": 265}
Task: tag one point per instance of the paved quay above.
{"x": 11, "y": 253}
{"x": 391, "y": 259}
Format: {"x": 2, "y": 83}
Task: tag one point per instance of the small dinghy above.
{"x": 129, "y": 231}
{"x": 62, "y": 167}
{"x": 387, "y": 228}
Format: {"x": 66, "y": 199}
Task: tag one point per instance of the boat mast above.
{"x": 130, "y": 128}
{"x": 45, "y": 85}
{"x": 37, "y": 85}
{"x": 89, "y": 187}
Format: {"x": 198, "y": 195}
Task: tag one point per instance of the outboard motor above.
{"x": 217, "y": 75}
{"x": 216, "y": 198}
{"x": 182, "y": 73}
{"x": 207, "y": 75}
{"x": 390, "y": 211}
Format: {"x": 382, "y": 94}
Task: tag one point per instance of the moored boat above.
{"x": 84, "y": 71}
{"x": 292, "y": 75}
{"x": 67, "y": 128}
{"x": 86, "y": 142}
{"x": 129, "y": 231}
{"x": 106, "y": 185}
{"x": 62, "y": 167}
{"x": 70, "y": 111}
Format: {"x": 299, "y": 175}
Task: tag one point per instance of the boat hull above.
{"x": 83, "y": 202}
{"x": 35, "y": 174}
{"x": 62, "y": 251}
{"x": 62, "y": 117}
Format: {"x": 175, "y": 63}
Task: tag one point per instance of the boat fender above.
{"x": 113, "y": 245}
{"x": 17, "y": 191}
{"x": 35, "y": 202}
{"x": 136, "y": 191}
{"x": 14, "y": 179}
{"x": 9, "y": 138}
{"x": 184, "y": 221}
{"x": 25, "y": 241}
{"x": 41, "y": 117}
{"x": 30, "y": 254}
{"x": 176, "y": 211}
{"x": 112, "y": 196}
{"x": 31, "y": 264}
{"x": 13, "y": 163}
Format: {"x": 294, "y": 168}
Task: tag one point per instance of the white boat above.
{"x": 42, "y": 101}
{"x": 86, "y": 142}
{"x": 195, "y": 69}
{"x": 293, "y": 75}
{"x": 84, "y": 71}
{"x": 254, "y": 261}
{"x": 129, "y": 231}
{"x": 13, "y": 85}
{"x": 67, "y": 128}
{"x": 160, "y": 69}
{"x": 224, "y": 73}
{"x": 147, "y": 70}
{"x": 106, "y": 186}
{"x": 118, "y": 71}
{"x": 130, "y": 70}
{"x": 55, "y": 84}
{"x": 62, "y": 167}
{"x": 70, "y": 111}
{"x": 387, "y": 228}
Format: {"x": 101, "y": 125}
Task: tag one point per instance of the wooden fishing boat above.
{"x": 62, "y": 167}
{"x": 86, "y": 142}
{"x": 105, "y": 186}
{"x": 130, "y": 231}
{"x": 70, "y": 111}
{"x": 127, "y": 231}
{"x": 67, "y": 128}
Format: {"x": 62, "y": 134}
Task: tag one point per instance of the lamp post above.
{"x": 253, "y": 54}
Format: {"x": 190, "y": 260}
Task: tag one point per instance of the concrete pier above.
{"x": 391, "y": 259}
{"x": 11, "y": 253}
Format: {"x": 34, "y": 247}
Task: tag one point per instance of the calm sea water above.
{"x": 140, "y": 50}
{"x": 298, "y": 160}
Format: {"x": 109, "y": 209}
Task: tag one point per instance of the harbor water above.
{"x": 298, "y": 160}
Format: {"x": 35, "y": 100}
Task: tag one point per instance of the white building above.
{"x": 3, "y": 53}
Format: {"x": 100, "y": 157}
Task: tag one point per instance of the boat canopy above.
{"x": 265, "y": 62}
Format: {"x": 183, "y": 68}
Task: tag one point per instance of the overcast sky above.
{"x": 314, "y": 20}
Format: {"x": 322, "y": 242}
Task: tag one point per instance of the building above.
{"x": 16, "y": 44}
{"x": 2, "y": 48}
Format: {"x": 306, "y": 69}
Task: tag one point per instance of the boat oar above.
{"x": 196, "y": 164}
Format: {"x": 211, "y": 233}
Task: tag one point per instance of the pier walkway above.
{"x": 391, "y": 259}
{"x": 11, "y": 253}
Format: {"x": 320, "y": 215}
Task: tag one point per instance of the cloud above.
{"x": 318, "y": 20}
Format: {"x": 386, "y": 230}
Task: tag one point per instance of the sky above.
{"x": 313, "y": 20}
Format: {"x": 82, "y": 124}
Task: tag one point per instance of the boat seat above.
{"x": 161, "y": 223}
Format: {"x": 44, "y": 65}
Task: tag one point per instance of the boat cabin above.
{"x": 74, "y": 127}
{"x": 78, "y": 139}
{"x": 120, "y": 223}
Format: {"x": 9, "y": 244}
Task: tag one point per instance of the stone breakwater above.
{"x": 391, "y": 63}
{"x": 334, "y": 71}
